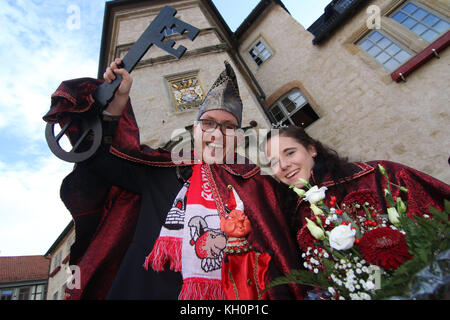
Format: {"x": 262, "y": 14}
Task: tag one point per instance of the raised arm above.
{"x": 123, "y": 173}
{"x": 118, "y": 104}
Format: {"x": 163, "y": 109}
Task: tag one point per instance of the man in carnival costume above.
{"x": 149, "y": 228}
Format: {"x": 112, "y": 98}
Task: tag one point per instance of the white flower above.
{"x": 316, "y": 232}
{"x": 317, "y": 211}
{"x": 393, "y": 216}
{"x": 299, "y": 192}
{"x": 331, "y": 290}
{"x": 315, "y": 194}
{"x": 365, "y": 296}
{"x": 354, "y": 296}
{"x": 342, "y": 237}
{"x": 369, "y": 285}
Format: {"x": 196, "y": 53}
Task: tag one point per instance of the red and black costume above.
{"x": 367, "y": 184}
{"x": 119, "y": 201}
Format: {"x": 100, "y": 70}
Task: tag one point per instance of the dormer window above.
{"x": 260, "y": 52}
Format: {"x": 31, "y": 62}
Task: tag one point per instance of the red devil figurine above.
{"x": 243, "y": 269}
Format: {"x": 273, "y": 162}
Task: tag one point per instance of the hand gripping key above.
{"x": 91, "y": 122}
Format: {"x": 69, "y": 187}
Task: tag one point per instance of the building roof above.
{"x": 61, "y": 237}
{"x": 336, "y": 13}
{"x": 255, "y": 14}
{"x": 23, "y": 268}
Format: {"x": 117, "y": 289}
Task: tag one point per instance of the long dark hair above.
{"x": 328, "y": 165}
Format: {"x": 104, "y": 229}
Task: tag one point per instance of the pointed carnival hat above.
{"x": 224, "y": 95}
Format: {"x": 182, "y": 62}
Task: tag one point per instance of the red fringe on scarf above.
{"x": 165, "y": 249}
{"x": 202, "y": 289}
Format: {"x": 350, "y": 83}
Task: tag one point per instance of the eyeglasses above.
{"x": 227, "y": 129}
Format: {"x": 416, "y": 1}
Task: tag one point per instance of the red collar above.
{"x": 364, "y": 169}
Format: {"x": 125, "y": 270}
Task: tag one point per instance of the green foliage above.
{"x": 426, "y": 238}
{"x": 303, "y": 277}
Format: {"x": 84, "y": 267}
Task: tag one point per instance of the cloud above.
{"x": 42, "y": 52}
{"x": 39, "y": 51}
{"x": 32, "y": 215}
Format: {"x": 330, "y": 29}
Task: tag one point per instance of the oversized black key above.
{"x": 152, "y": 35}
{"x": 91, "y": 122}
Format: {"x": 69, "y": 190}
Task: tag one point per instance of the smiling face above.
{"x": 290, "y": 160}
{"x": 213, "y": 147}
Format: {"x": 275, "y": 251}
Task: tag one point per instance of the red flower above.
{"x": 305, "y": 239}
{"x": 384, "y": 247}
{"x": 360, "y": 197}
{"x": 304, "y": 236}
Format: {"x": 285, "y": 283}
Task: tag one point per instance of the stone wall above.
{"x": 364, "y": 114}
{"x": 152, "y": 102}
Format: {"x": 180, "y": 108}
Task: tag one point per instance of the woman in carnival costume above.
{"x": 356, "y": 190}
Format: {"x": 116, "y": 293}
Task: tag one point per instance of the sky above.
{"x": 44, "y": 42}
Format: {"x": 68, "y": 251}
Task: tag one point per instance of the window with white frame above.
{"x": 388, "y": 53}
{"x": 260, "y": 52}
{"x": 24, "y": 293}
{"x": 420, "y": 20}
{"x": 293, "y": 109}
{"x": 57, "y": 260}
{"x": 425, "y": 22}
{"x": 6, "y": 294}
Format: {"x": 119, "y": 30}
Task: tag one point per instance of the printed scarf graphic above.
{"x": 191, "y": 240}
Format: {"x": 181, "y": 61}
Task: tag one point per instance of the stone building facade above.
{"x": 324, "y": 78}
{"x": 341, "y": 94}
{"x": 363, "y": 113}
{"x": 156, "y": 109}
{"x": 59, "y": 269}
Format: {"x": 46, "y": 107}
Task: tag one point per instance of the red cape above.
{"x": 105, "y": 217}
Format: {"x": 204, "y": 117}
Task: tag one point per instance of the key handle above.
{"x": 91, "y": 122}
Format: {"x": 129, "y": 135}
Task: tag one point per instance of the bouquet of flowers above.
{"x": 355, "y": 251}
